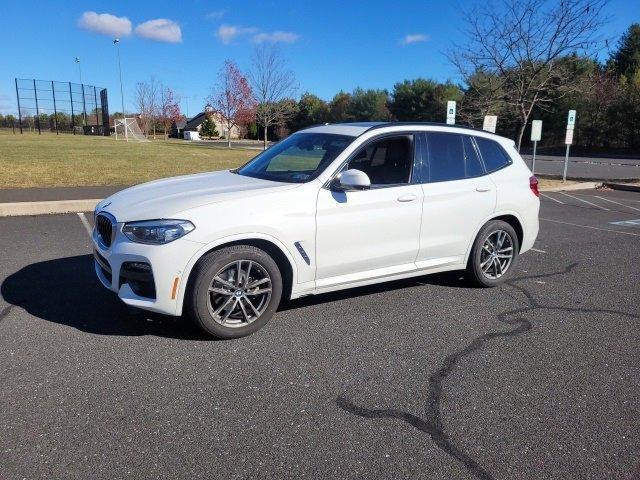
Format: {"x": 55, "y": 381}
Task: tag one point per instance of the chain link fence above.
{"x": 67, "y": 107}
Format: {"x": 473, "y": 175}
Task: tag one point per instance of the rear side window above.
{"x": 446, "y": 157}
{"x": 493, "y": 154}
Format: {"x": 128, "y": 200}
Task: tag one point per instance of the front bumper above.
{"x": 167, "y": 267}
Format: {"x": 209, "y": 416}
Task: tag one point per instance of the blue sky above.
{"x": 330, "y": 45}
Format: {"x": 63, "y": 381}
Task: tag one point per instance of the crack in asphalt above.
{"x": 5, "y": 312}
{"x": 431, "y": 423}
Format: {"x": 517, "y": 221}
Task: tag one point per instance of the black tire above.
{"x": 474, "y": 272}
{"x": 197, "y": 301}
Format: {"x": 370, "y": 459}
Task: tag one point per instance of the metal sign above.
{"x": 536, "y": 130}
{"x": 451, "y": 112}
{"x": 490, "y": 122}
{"x": 571, "y": 120}
{"x": 568, "y": 139}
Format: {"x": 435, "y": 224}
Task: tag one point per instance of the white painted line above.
{"x": 627, "y": 223}
{"x": 585, "y": 201}
{"x": 593, "y": 228}
{"x": 617, "y": 203}
{"x": 551, "y": 198}
{"x": 538, "y": 250}
{"x": 84, "y": 221}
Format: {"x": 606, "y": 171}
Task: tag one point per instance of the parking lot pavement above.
{"x": 425, "y": 378}
{"x": 587, "y": 168}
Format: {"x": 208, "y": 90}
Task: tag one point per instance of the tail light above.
{"x": 533, "y": 185}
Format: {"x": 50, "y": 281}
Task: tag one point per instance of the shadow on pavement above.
{"x": 446, "y": 279}
{"x": 66, "y": 291}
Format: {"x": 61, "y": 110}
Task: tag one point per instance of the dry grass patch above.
{"x": 50, "y": 160}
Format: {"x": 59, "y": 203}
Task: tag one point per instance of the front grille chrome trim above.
{"x": 105, "y": 226}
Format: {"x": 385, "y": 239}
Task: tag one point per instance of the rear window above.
{"x": 493, "y": 154}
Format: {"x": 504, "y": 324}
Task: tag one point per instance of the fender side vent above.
{"x": 302, "y": 253}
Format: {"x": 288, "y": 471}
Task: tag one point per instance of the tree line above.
{"x": 525, "y": 78}
{"x": 520, "y": 60}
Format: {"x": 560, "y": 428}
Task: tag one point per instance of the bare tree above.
{"x": 146, "y": 98}
{"x": 272, "y": 82}
{"x": 524, "y": 45}
{"x": 232, "y": 98}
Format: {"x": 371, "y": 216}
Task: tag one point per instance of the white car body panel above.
{"x": 350, "y": 235}
{"x": 351, "y": 238}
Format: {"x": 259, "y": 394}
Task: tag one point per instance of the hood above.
{"x": 165, "y": 198}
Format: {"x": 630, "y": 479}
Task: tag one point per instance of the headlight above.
{"x": 157, "y": 232}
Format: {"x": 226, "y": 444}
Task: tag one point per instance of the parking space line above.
{"x": 551, "y": 198}
{"x": 617, "y": 203}
{"x": 538, "y": 250}
{"x": 84, "y": 221}
{"x": 593, "y": 228}
{"x": 585, "y": 201}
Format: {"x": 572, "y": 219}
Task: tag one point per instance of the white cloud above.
{"x": 414, "y": 38}
{"x": 226, "y": 33}
{"x": 276, "y": 37}
{"x": 161, "y": 30}
{"x": 215, "y": 15}
{"x": 105, "y": 23}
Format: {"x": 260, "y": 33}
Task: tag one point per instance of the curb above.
{"x": 577, "y": 186}
{"x": 622, "y": 186}
{"x": 18, "y": 209}
{"x": 585, "y": 179}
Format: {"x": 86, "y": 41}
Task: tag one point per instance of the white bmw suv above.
{"x": 328, "y": 208}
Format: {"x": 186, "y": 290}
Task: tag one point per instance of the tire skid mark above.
{"x": 432, "y": 423}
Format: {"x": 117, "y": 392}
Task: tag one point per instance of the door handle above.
{"x": 407, "y": 198}
{"x": 483, "y": 189}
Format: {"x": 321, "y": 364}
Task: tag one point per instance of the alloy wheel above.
{"x": 496, "y": 254}
{"x": 239, "y": 293}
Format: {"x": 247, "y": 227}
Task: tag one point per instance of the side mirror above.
{"x": 352, "y": 179}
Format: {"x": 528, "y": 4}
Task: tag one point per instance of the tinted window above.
{"x": 446, "y": 157}
{"x": 386, "y": 161}
{"x": 493, "y": 154}
{"x": 298, "y": 158}
{"x": 473, "y": 165}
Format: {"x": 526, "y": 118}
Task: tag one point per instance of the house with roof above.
{"x": 194, "y": 124}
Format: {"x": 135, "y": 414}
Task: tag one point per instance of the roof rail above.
{"x": 429, "y": 124}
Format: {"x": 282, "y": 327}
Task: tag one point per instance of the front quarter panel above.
{"x": 283, "y": 218}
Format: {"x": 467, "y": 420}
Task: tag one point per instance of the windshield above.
{"x": 298, "y": 158}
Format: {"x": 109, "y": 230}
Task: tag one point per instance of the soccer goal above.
{"x": 128, "y": 129}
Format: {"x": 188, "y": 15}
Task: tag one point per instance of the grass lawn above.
{"x": 50, "y": 160}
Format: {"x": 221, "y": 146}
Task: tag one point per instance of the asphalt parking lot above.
{"x": 587, "y": 168}
{"x": 425, "y": 378}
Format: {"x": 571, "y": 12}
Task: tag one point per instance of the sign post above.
{"x": 490, "y": 123}
{"x": 568, "y": 140}
{"x": 451, "y": 112}
{"x": 536, "y": 136}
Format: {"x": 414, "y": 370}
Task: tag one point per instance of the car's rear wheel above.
{"x": 493, "y": 255}
{"x": 235, "y": 291}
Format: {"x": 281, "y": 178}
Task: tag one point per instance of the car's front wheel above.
{"x": 493, "y": 255}
{"x": 235, "y": 291}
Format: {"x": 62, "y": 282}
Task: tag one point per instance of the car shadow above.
{"x": 446, "y": 279}
{"x": 66, "y": 291}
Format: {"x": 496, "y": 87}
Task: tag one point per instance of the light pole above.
{"x": 79, "y": 69}
{"x": 116, "y": 42}
{"x": 84, "y": 110}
